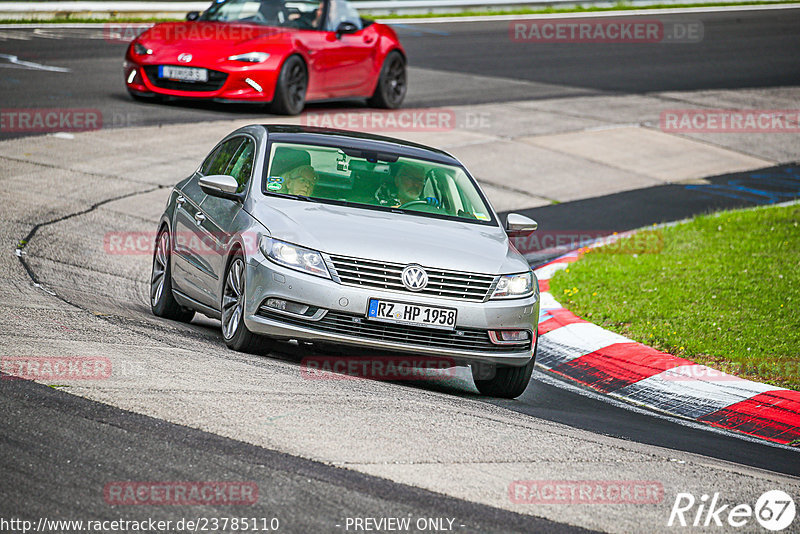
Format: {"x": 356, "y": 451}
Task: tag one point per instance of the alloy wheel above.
{"x": 233, "y": 299}
{"x": 160, "y": 259}
{"x": 396, "y": 81}
{"x": 296, "y": 84}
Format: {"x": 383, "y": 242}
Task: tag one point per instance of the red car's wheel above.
{"x": 391, "y": 88}
{"x": 290, "y": 91}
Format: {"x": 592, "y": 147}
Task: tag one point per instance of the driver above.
{"x": 317, "y": 22}
{"x": 309, "y": 19}
{"x": 407, "y": 186}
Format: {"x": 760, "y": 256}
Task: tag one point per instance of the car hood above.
{"x": 390, "y": 237}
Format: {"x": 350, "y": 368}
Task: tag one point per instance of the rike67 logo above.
{"x": 774, "y": 510}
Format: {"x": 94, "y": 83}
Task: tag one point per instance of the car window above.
{"x": 341, "y": 11}
{"x": 416, "y": 186}
{"x": 301, "y": 14}
{"x": 218, "y": 162}
{"x": 241, "y": 164}
{"x": 208, "y": 161}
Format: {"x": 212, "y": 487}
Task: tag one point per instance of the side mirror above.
{"x": 345, "y": 27}
{"x": 193, "y": 15}
{"x": 220, "y": 185}
{"x": 518, "y": 225}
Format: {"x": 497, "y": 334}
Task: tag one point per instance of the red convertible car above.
{"x": 287, "y": 52}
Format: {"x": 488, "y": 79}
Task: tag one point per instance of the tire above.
{"x": 507, "y": 382}
{"x": 290, "y": 91}
{"x": 234, "y": 331}
{"x": 162, "y": 302}
{"x": 392, "y": 83}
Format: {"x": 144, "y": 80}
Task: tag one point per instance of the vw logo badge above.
{"x": 185, "y": 58}
{"x": 415, "y": 278}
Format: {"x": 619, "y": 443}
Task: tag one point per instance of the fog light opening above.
{"x": 132, "y": 76}
{"x": 277, "y": 304}
{"x": 283, "y": 306}
{"x": 509, "y": 337}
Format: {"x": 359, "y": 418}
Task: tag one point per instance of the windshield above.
{"x": 290, "y": 14}
{"x": 374, "y": 180}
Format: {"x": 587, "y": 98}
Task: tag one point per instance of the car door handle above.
{"x": 180, "y": 200}
{"x": 199, "y": 218}
{"x": 368, "y": 39}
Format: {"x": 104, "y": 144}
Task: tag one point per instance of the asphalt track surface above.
{"x": 91, "y": 443}
{"x": 738, "y": 50}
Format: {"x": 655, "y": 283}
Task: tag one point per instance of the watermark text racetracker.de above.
{"x": 55, "y": 368}
{"x": 730, "y": 121}
{"x": 650, "y": 241}
{"x": 730, "y": 371}
{"x": 41, "y": 120}
{"x": 52, "y": 120}
{"x": 605, "y": 31}
{"x": 376, "y": 367}
{"x": 180, "y": 493}
{"x": 400, "y": 120}
{"x": 138, "y": 243}
{"x": 586, "y": 492}
{"x": 125, "y": 32}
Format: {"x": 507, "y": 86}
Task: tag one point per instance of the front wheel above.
{"x": 507, "y": 382}
{"x": 392, "y": 85}
{"x": 234, "y": 331}
{"x": 290, "y": 91}
{"x": 162, "y": 302}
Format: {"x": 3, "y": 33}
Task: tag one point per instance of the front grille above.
{"x": 216, "y": 80}
{"x": 467, "y": 339}
{"x": 383, "y": 275}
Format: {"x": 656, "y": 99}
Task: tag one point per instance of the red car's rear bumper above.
{"x": 245, "y": 84}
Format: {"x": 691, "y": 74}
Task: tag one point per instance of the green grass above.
{"x": 723, "y": 291}
{"x": 619, "y": 6}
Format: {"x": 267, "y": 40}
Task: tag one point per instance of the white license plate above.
{"x": 411, "y": 314}
{"x": 186, "y": 74}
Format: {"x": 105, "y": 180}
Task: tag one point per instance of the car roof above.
{"x": 357, "y": 140}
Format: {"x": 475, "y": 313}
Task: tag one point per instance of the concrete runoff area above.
{"x": 94, "y": 302}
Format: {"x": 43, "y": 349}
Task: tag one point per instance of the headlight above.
{"x": 513, "y": 286}
{"x": 141, "y": 50}
{"x": 294, "y": 257}
{"x": 250, "y": 57}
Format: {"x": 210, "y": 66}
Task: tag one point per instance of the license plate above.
{"x": 186, "y": 74}
{"x": 411, "y": 314}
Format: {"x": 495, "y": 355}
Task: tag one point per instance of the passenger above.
{"x": 292, "y": 173}
{"x": 406, "y": 187}
{"x": 300, "y": 181}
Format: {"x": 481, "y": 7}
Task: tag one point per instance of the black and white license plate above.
{"x": 411, "y": 314}
{"x": 186, "y": 74}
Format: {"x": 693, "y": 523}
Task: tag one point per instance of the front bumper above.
{"x": 338, "y": 316}
{"x": 240, "y": 83}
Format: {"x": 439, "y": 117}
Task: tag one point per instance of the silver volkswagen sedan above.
{"x": 348, "y": 239}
